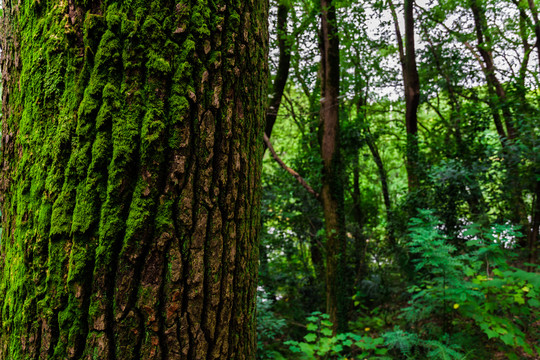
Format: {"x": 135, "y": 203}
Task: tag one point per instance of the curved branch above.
{"x": 288, "y": 169}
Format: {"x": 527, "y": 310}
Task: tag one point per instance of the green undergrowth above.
{"x": 468, "y": 304}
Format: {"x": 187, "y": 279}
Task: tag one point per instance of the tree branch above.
{"x": 288, "y": 169}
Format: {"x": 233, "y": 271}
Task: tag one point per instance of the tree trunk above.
{"x": 411, "y": 83}
{"x": 383, "y": 177}
{"x": 534, "y": 228}
{"x": 360, "y": 239}
{"x": 131, "y": 158}
{"x": 332, "y": 186}
{"x": 412, "y": 97}
{"x": 534, "y": 11}
{"x": 534, "y": 232}
{"x": 284, "y": 65}
{"x": 498, "y": 99}
{"x": 494, "y": 85}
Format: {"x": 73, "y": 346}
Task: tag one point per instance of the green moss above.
{"x": 158, "y": 66}
{"x": 98, "y": 123}
{"x": 114, "y": 18}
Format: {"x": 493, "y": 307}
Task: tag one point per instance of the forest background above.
{"x": 437, "y": 182}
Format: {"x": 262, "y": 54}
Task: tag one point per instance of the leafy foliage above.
{"x": 478, "y": 285}
{"x": 321, "y": 344}
{"x": 269, "y": 328}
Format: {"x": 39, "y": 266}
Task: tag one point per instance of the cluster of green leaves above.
{"x": 321, "y": 344}
{"x": 477, "y": 286}
{"x": 460, "y": 299}
{"x": 410, "y": 346}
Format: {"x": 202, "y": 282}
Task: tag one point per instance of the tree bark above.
{"x": 131, "y": 160}
{"x": 332, "y": 186}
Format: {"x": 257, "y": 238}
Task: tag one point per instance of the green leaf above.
{"x": 326, "y": 323}
{"x": 508, "y": 339}
{"x": 326, "y": 332}
{"x": 310, "y": 337}
{"x": 311, "y": 327}
{"x": 347, "y": 342}
{"x": 307, "y": 349}
{"x": 469, "y": 271}
{"x": 497, "y": 272}
{"x": 472, "y": 231}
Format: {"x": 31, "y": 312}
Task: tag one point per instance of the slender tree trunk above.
{"x": 332, "y": 186}
{"x": 412, "y": 97}
{"x": 527, "y": 50}
{"x": 494, "y": 85}
{"x": 498, "y": 99}
{"x": 411, "y": 82}
{"x": 131, "y": 158}
{"x": 284, "y": 66}
{"x": 360, "y": 105}
{"x": 533, "y": 238}
{"x": 360, "y": 241}
{"x": 534, "y": 11}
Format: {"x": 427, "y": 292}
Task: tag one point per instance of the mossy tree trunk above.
{"x": 131, "y": 157}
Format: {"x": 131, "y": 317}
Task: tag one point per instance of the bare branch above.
{"x": 288, "y": 169}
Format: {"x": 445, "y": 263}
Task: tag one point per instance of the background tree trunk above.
{"x": 412, "y": 98}
{"x": 131, "y": 158}
{"x": 332, "y": 186}
{"x": 284, "y": 65}
{"x": 411, "y": 84}
{"x": 498, "y": 100}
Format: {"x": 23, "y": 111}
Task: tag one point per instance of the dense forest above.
{"x": 427, "y": 246}
{"x": 283, "y": 179}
